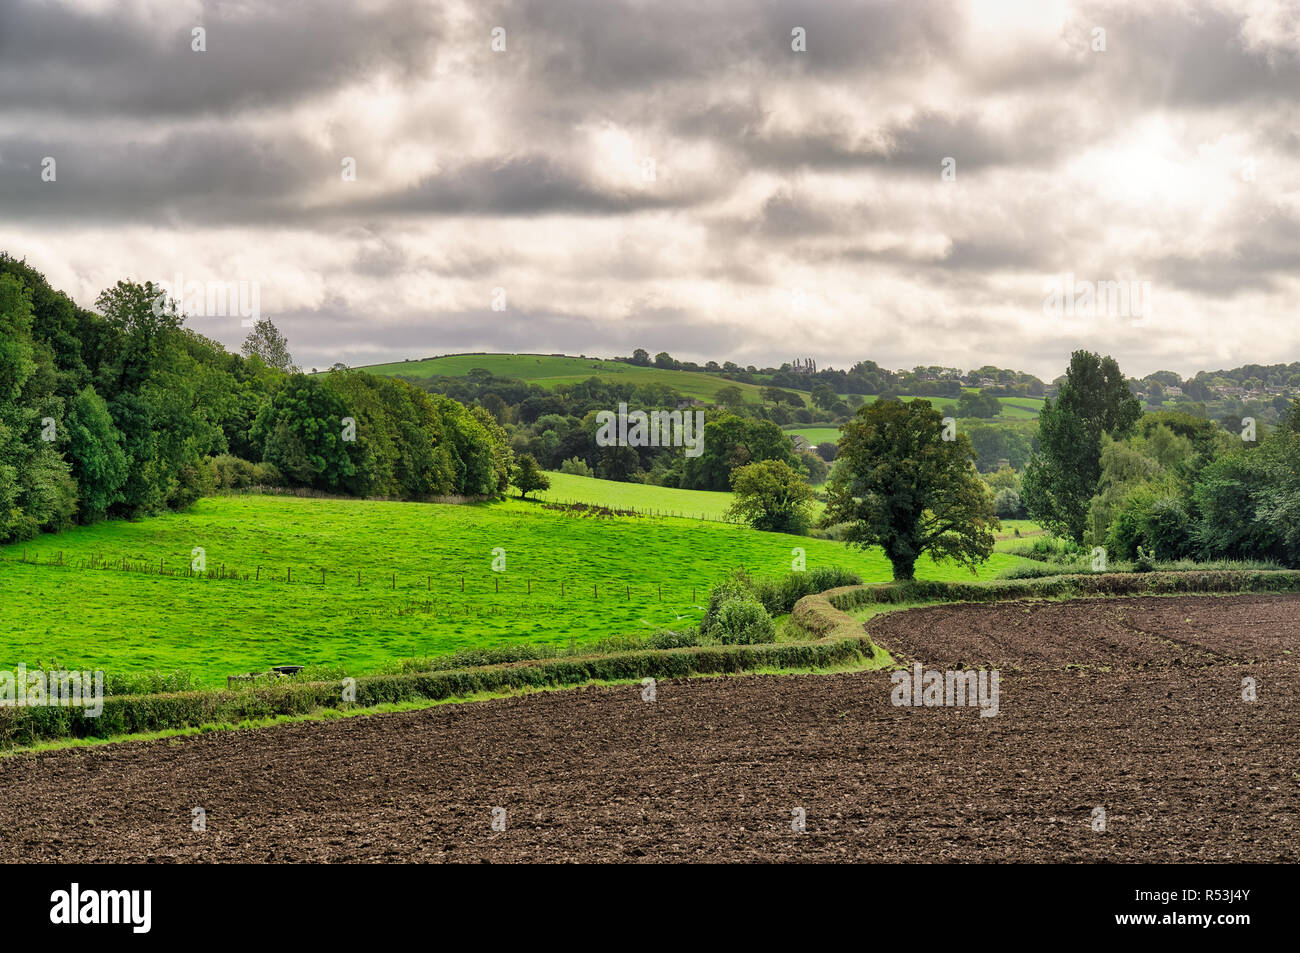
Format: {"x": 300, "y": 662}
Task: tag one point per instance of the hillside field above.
{"x": 411, "y": 557}
{"x": 641, "y": 497}
{"x": 816, "y": 435}
{"x": 551, "y": 371}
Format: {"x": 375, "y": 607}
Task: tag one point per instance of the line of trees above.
{"x": 1147, "y": 487}
{"x": 124, "y": 411}
{"x": 1162, "y": 485}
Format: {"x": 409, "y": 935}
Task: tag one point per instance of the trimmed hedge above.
{"x": 818, "y": 615}
{"x": 1065, "y": 586}
{"x": 129, "y": 714}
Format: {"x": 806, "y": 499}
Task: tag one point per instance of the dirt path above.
{"x": 1158, "y": 736}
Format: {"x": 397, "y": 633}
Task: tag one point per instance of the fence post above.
{"x": 288, "y": 574}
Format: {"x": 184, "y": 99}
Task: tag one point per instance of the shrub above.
{"x": 576, "y": 466}
{"x": 779, "y": 595}
{"x": 267, "y": 474}
{"x": 231, "y": 473}
{"x": 1157, "y": 523}
{"x": 738, "y": 585}
{"x": 744, "y": 621}
{"x": 1007, "y": 505}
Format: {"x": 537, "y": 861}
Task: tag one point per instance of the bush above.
{"x": 736, "y": 586}
{"x": 744, "y": 621}
{"x": 1052, "y": 549}
{"x": 1157, "y": 523}
{"x": 1007, "y": 505}
{"x": 231, "y": 473}
{"x": 267, "y": 474}
{"x": 779, "y": 595}
{"x": 576, "y": 466}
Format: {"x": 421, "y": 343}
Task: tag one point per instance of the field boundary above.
{"x": 1065, "y": 586}
{"x": 839, "y": 640}
{"x": 136, "y": 714}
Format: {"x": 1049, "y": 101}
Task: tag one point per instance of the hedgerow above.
{"x": 1063, "y": 586}
{"x": 130, "y": 714}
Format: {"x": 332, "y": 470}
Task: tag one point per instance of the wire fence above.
{"x": 472, "y": 582}
{"x": 601, "y": 509}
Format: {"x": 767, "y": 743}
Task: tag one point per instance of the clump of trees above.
{"x": 1093, "y": 402}
{"x": 1164, "y": 485}
{"x": 125, "y": 411}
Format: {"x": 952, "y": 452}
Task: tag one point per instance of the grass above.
{"x": 1026, "y": 527}
{"x": 551, "y": 371}
{"x": 412, "y": 558}
{"x": 1020, "y": 408}
{"x": 816, "y": 435}
{"x": 641, "y": 497}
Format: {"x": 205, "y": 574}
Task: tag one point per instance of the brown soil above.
{"x": 1133, "y": 633}
{"x": 1152, "y": 728}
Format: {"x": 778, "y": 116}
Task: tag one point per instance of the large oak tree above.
{"x": 899, "y": 484}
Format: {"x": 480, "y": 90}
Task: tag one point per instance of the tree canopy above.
{"x": 899, "y": 484}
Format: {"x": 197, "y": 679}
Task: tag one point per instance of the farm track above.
{"x": 1120, "y": 704}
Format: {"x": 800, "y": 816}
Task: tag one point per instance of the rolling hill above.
{"x": 548, "y": 370}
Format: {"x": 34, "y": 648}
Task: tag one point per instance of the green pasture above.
{"x": 548, "y": 371}
{"x": 641, "y": 497}
{"x": 69, "y": 602}
{"x": 817, "y": 435}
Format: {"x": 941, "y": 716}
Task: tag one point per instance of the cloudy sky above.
{"x": 675, "y": 176}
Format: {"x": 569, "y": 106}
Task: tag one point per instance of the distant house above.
{"x": 689, "y": 402}
{"x": 1173, "y": 392}
{"x": 801, "y": 443}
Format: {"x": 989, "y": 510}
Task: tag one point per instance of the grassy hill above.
{"x": 619, "y": 575}
{"x": 550, "y": 371}
{"x": 641, "y": 497}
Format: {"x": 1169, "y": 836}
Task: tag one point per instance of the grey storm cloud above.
{"x": 56, "y": 56}
{"x": 517, "y": 185}
{"x": 524, "y": 169}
